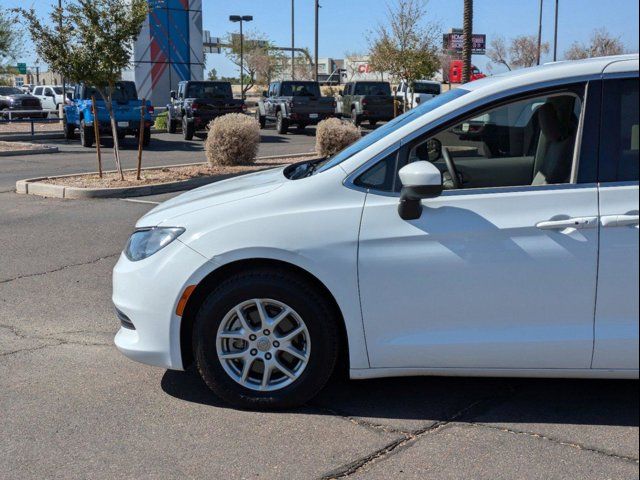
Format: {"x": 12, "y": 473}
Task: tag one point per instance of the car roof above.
{"x": 549, "y": 72}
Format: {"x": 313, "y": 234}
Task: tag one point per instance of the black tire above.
{"x": 172, "y": 126}
{"x": 355, "y": 118}
{"x": 301, "y": 128}
{"x": 86, "y": 135}
{"x": 282, "y": 124}
{"x": 373, "y": 123}
{"x": 284, "y": 287}
{"x": 146, "y": 138}
{"x": 121, "y": 135}
{"x": 188, "y": 129}
{"x": 69, "y": 130}
{"x": 262, "y": 120}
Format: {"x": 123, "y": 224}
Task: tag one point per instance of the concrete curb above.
{"x": 25, "y": 137}
{"x": 35, "y": 186}
{"x": 38, "y": 151}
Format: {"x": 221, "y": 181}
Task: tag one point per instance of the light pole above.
{"x": 539, "y": 35}
{"x": 241, "y": 19}
{"x": 293, "y": 39}
{"x": 555, "y": 36}
{"x": 317, "y": 36}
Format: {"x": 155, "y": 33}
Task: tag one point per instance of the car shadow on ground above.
{"x": 553, "y": 401}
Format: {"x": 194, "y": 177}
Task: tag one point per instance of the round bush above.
{"x": 334, "y": 135}
{"x": 233, "y": 139}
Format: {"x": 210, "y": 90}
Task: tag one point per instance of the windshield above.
{"x": 390, "y": 127}
{"x": 209, "y": 90}
{"x": 300, "y": 89}
{"x": 373, "y": 88}
{"x": 122, "y": 92}
{"x": 429, "y": 88}
{"x": 9, "y": 91}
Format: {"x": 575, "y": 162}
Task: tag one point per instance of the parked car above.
{"x": 196, "y": 104}
{"x": 455, "y": 72}
{"x": 372, "y": 101}
{"x": 78, "y": 113}
{"x": 419, "y": 92}
{"x": 13, "y": 101}
{"x": 51, "y": 96}
{"x": 467, "y": 237}
{"x": 294, "y": 103}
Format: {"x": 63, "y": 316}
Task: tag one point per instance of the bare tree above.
{"x": 408, "y": 47}
{"x": 520, "y": 52}
{"x": 600, "y": 44}
{"x": 261, "y": 61}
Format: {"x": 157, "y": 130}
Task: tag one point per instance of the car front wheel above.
{"x": 265, "y": 339}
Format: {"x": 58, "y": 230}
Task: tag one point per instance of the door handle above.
{"x": 577, "y": 223}
{"x": 610, "y": 221}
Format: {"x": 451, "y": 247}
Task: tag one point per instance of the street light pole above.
{"x": 539, "y": 35}
{"x": 241, "y": 19}
{"x": 555, "y": 35}
{"x": 64, "y": 82}
{"x": 317, "y": 36}
{"x": 293, "y": 39}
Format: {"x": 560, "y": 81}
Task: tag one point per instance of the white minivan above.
{"x": 490, "y": 231}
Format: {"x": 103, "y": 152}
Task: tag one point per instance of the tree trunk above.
{"x": 114, "y": 131}
{"x": 467, "y": 30}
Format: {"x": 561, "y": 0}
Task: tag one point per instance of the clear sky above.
{"x": 344, "y": 24}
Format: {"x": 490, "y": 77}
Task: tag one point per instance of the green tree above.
{"x": 10, "y": 43}
{"x": 91, "y": 42}
{"x": 213, "y": 74}
{"x": 408, "y": 47}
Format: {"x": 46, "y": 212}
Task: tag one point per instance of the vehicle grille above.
{"x": 30, "y": 102}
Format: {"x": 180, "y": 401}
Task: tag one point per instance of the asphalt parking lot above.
{"x": 72, "y": 407}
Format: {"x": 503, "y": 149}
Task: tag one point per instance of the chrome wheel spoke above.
{"x": 287, "y": 337}
{"x": 233, "y": 355}
{"x": 235, "y": 335}
{"x": 264, "y": 317}
{"x": 246, "y": 369}
{"x": 266, "y": 375}
{"x": 242, "y": 320}
{"x": 281, "y": 316}
{"x": 285, "y": 370}
{"x": 294, "y": 352}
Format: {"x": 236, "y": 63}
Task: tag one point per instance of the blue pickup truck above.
{"x": 78, "y": 113}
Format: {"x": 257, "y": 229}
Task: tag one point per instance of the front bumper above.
{"x": 146, "y": 293}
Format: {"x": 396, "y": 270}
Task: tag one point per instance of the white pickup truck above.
{"x": 51, "y": 96}
{"x": 419, "y": 92}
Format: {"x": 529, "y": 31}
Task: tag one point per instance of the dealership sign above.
{"x": 453, "y": 42}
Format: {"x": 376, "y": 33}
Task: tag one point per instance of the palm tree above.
{"x": 467, "y": 31}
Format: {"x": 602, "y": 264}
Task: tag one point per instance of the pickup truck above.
{"x": 294, "y": 103}
{"x": 418, "y": 92}
{"x": 370, "y": 101}
{"x": 51, "y": 96}
{"x": 196, "y": 104}
{"x": 78, "y": 113}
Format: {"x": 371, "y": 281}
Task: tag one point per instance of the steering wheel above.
{"x": 451, "y": 168}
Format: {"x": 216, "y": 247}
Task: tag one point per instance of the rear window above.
{"x": 373, "y": 88}
{"x": 122, "y": 92}
{"x": 427, "y": 88}
{"x": 300, "y": 89}
{"x": 209, "y": 90}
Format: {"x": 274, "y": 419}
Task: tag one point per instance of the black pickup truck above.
{"x": 294, "y": 103}
{"x": 195, "y": 104}
{"x": 370, "y": 101}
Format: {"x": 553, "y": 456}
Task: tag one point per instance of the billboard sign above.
{"x": 453, "y": 42}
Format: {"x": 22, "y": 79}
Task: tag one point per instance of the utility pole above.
{"x": 539, "y": 35}
{"x": 293, "y": 39}
{"x": 555, "y": 35}
{"x": 317, "y": 36}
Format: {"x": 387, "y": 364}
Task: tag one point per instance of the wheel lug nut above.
{"x": 252, "y": 338}
{"x": 276, "y": 344}
{"x": 268, "y": 356}
{"x": 254, "y": 352}
{"x": 267, "y": 332}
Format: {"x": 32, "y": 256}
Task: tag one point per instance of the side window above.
{"x": 529, "y": 141}
{"x": 620, "y": 135}
{"x": 38, "y": 91}
{"x": 382, "y": 176}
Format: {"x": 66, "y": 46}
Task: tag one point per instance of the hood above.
{"x": 218, "y": 193}
{"x": 18, "y": 96}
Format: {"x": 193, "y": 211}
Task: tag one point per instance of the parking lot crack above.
{"x": 59, "y": 269}
{"x": 540, "y": 436}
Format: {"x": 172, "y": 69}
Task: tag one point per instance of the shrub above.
{"x": 161, "y": 121}
{"x": 233, "y": 139}
{"x": 334, "y": 135}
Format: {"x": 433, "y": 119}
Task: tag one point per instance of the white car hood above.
{"x": 225, "y": 191}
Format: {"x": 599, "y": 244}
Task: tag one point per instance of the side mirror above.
{"x": 419, "y": 180}
{"x": 172, "y": 94}
{"x": 265, "y": 94}
{"x": 69, "y": 96}
{"x": 342, "y": 93}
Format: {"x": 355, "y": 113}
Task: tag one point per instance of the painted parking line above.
{"x": 140, "y": 201}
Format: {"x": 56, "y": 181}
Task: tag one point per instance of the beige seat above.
{"x": 554, "y": 155}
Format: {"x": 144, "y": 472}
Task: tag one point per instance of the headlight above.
{"x": 145, "y": 242}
